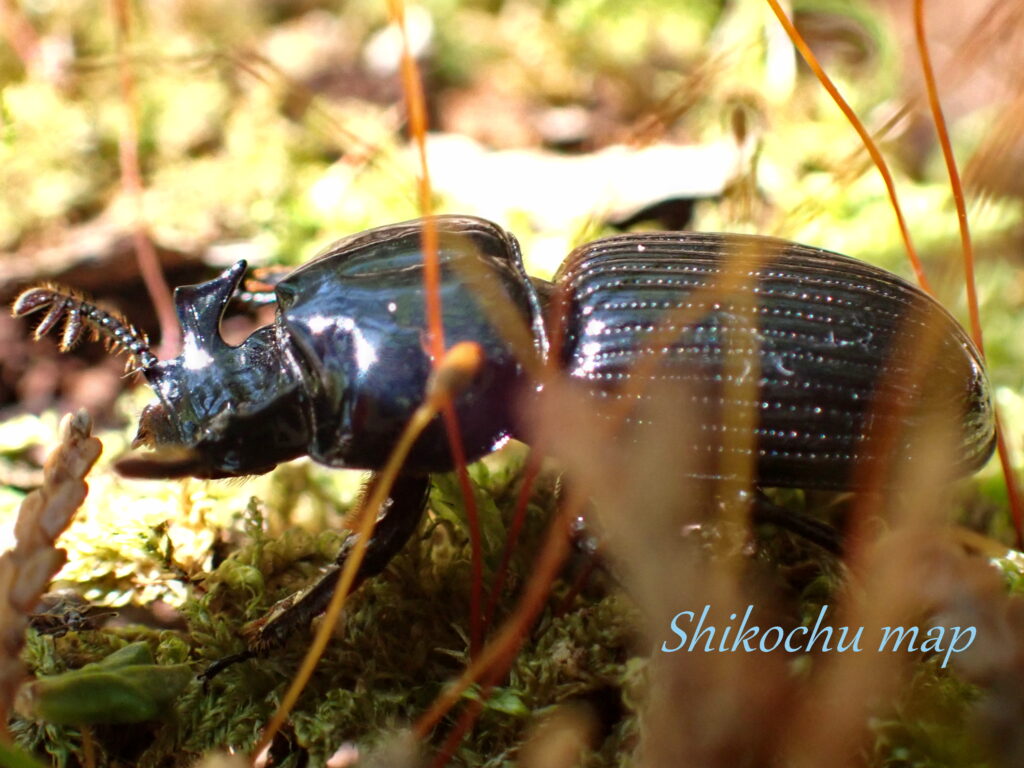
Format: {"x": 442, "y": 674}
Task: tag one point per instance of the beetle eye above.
{"x": 155, "y": 428}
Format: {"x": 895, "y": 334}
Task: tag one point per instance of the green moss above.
{"x": 926, "y": 727}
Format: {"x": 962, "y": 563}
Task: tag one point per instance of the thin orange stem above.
{"x": 417, "y": 113}
{"x": 530, "y": 473}
{"x": 367, "y": 516}
{"x": 88, "y": 747}
{"x": 471, "y": 713}
{"x": 1013, "y": 494}
{"x": 496, "y": 655}
{"x": 865, "y": 137}
{"x": 416, "y": 104}
{"x": 331, "y": 615}
{"x": 131, "y": 179}
{"x": 19, "y": 33}
{"x": 939, "y": 120}
{"x": 462, "y": 727}
{"x": 473, "y": 521}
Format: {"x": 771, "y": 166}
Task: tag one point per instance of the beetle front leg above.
{"x": 397, "y": 519}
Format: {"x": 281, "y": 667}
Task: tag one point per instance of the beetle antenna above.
{"x": 79, "y": 315}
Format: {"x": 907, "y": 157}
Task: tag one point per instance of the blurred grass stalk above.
{"x": 672, "y": 554}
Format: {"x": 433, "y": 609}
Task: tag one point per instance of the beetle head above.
{"x": 222, "y": 411}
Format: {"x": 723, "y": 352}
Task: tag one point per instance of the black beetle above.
{"x": 339, "y": 372}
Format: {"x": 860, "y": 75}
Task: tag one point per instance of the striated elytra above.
{"x": 341, "y": 369}
{"x": 825, "y": 332}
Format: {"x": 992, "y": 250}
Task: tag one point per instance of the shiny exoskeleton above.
{"x": 339, "y": 372}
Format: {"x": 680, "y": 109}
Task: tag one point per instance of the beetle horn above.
{"x": 200, "y": 307}
{"x": 80, "y": 315}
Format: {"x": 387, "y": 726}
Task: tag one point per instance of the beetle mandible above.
{"x": 343, "y": 366}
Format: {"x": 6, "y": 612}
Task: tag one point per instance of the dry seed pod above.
{"x": 26, "y": 570}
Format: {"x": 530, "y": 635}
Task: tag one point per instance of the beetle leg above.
{"x": 396, "y": 521}
{"x": 806, "y": 526}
